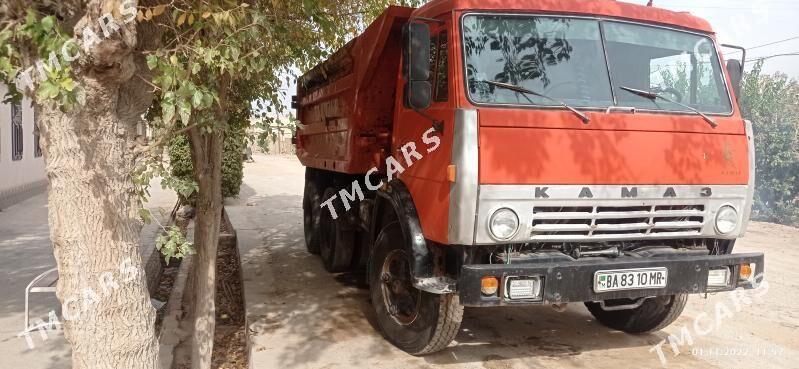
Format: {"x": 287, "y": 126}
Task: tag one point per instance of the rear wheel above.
{"x": 311, "y": 211}
{"x": 415, "y": 321}
{"x": 654, "y": 314}
{"x": 337, "y": 242}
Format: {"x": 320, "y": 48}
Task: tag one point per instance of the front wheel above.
{"x": 654, "y": 314}
{"x": 415, "y": 321}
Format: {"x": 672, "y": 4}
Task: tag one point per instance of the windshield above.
{"x": 564, "y": 58}
{"x": 682, "y": 66}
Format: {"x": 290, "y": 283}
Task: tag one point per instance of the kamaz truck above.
{"x": 539, "y": 152}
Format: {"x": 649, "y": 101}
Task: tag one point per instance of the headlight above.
{"x": 726, "y": 219}
{"x": 503, "y": 224}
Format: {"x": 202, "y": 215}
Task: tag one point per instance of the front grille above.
{"x": 616, "y": 222}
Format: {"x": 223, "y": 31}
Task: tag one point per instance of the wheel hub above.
{"x": 400, "y": 298}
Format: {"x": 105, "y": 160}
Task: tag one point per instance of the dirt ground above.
{"x": 302, "y": 317}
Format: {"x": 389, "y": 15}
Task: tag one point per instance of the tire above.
{"x": 437, "y": 318}
{"x": 311, "y": 211}
{"x": 653, "y": 315}
{"x": 337, "y": 243}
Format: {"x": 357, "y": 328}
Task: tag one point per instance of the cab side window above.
{"x": 433, "y": 58}
{"x": 442, "y": 82}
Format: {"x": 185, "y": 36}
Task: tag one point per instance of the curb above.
{"x": 171, "y": 334}
{"x": 233, "y": 237}
{"x": 18, "y": 194}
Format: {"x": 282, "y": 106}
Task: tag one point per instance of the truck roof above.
{"x": 606, "y": 8}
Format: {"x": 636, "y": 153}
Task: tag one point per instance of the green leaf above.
{"x": 160, "y": 242}
{"x": 48, "y": 23}
{"x": 152, "y": 61}
{"x": 186, "y": 89}
{"x": 30, "y": 17}
{"x": 197, "y": 99}
{"x": 167, "y": 110}
{"x": 184, "y": 109}
{"x": 68, "y": 84}
{"x": 208, "y": 100}
{"x": 145, "y": 216}
{"x": 166, "y": 82}
{"x": 173, "y": 244}
{"x": 47, "y": 90}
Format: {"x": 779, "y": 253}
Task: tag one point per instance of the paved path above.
{"x": 25, "y": 252}
{"x": 303, "y": 317}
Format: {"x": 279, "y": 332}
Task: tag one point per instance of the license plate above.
{"x": 630, "y": 279}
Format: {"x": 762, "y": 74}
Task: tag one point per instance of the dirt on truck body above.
{"x": 511, "y": 153}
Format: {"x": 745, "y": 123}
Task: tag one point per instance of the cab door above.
{"x": 429, "y": 131}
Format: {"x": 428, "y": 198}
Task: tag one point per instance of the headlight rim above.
{"x": 491, "y": 220}
{"x": 719, "y": 213}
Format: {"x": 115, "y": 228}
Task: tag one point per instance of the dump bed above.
{"x": 346, "y": 103}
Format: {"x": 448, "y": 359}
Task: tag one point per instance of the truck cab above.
{"x": 506, "y": 153}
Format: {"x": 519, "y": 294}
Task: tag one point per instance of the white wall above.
{"x": 23, "y": 175}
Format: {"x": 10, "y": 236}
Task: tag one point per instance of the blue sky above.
{"x": 749, "y": 23}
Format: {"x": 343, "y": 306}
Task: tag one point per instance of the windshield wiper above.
{"x": 526, "y": 92}
{"x": 653, "y": 96}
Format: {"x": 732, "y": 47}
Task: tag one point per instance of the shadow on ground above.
{"x": 301, "y": 316}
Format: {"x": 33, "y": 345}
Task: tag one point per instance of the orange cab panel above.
{"x": 569, "y": 156}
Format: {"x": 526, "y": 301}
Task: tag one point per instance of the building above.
{"x": 273, "y": 138}
{"x": 21, "y": 162}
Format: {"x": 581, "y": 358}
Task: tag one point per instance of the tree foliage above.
{"x": 46, "y": 37}
{"x": 524, "y": 48}
{"x": 232, "y": 163}
{"x": 677, "y": 79}
{"x": 198, "y": 63}
{"x": 771, "y": 102}
{"x": 180, "y": 165}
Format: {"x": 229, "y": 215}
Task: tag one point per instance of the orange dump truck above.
{"x": 508, "y": 153}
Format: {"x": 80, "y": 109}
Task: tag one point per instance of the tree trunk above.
{"x": 207, "y": 160}
{"x": 92, "y": 204}
{"x": 94, "y": 228}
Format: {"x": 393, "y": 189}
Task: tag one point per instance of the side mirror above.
{"x": 736, "y": 71}
{"x": 416, "y": 57}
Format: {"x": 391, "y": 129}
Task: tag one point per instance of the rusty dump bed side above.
{"x": 346, "y": 103}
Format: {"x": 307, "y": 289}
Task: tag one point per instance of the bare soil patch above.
{"x": 230, "y": 343}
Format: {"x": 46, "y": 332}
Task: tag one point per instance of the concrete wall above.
{"x": 22, "y": 177}
{"x": 280, "y": 145}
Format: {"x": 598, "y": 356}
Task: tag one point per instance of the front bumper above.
{"x": 572, "y": 281}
